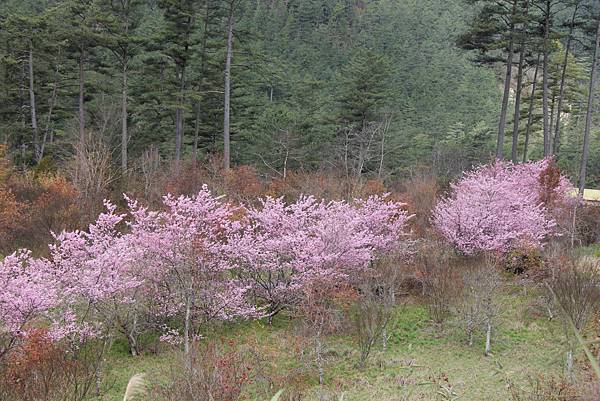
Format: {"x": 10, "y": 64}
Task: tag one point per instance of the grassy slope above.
{"x": 420, "y": 357}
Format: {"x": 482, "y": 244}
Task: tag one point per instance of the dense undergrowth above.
{"x": 422, "y": 359}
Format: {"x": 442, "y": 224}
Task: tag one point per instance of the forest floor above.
{"x": 423, "y": 361}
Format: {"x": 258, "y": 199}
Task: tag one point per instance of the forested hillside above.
{"x": 368, "y": 87}
{"x": 314, "y": 84}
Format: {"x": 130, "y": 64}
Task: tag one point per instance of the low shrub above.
{"x": 545, "y": 388}
{"x": 41, "y": 370}
{"x": 592, "y": 392}
{"x": 440, "y": 278}
{"x": 216, "y": 370}
{"x": 523, "y": 260}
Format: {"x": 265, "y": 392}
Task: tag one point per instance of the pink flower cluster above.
{"x": 283, "y": 248}
{"x": 199, "y": 258}
{"x": 27, "y": 291}
{"x": 499, "y": 207}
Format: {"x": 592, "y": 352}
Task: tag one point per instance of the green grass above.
{"x": 590, "y": 250}
{"x": 420, "y": 357}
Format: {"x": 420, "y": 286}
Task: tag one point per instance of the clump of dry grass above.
{"x": 137, "y": 387}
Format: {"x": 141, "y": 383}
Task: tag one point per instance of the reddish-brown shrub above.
{"x": 277, "y": 186}
{"x": 183, "y": 179}
{"x": 545, "y": 388}
{"x": 320, "y": 185}
{"x": 588, "y": 224}
{"x": 440, "y": 278}
{"x": 55, "y": 208}
{"x": 421, "y": 195}
{"x": 5, "y": 164}
{"x": 592, "y": 392}
{"x": 243, "y": 184}
{"x": 11, "y": 216}
{"x": 326, "y": 186}
{"x": 213, "y": 371}
{"x": 36, "y": 370}
{"x": 549, "y": 180}
{"x": 32, "y": 205}
{"x": 43, "y": 204}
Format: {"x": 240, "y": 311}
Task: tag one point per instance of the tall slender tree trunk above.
{"x": 569, "y": 367}
{"x": 488, "y": 337}
{"x": 47, "y": 130}
{"x": 319, "y": 357}
{"x": 81, "y": 95}
{"x": 124, "y": 133}
{"x": 530, "y": 111}
{"x": 507, "y": 80}
{"x": 32, "y": 105}
{"x": 130, "y": 333}
{"x": 201, "y": 82}
{"x": 517, "y": 114}
{"x": 187, "y": 323}
{"x": 196, "y": 133}
{"x": 226, "y": 106}
{"x": 563, "y": 75}
{"x": 545, "y": 91}
{"x": 179, "y": 114}
{"x": 588, "y": 116}
{"x": 551, "y": 119}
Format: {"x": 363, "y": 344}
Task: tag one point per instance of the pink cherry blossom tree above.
{"x": 283, "y": 248}
{"x": 96, "y": 275}
{"x": 197, "y": 259}
{"x": 86, "y": 271}
{"x": 498, "y": 207}
{"x": 182, "y": 250}
{"x": 28, "y": 293}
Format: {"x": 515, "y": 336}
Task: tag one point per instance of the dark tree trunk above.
{"x": 226, "y": 106}
{"x": 551, "y": 119}
{"x": 588, "y": 116}
{"x": 81, "y": 95}
{"x": 530, "y": 111}
{"x": 196, "y": 133}
{"x": 179, "y": 114}
{"x": 563, "y": 75}
{"x": 545, "y": 91}
{"x": 48, "y": 136}
{"x": 32, "y": 105}
{"x": 202, "y": 74}
{"x": 517, "y": 114}
{"x": 124, "y": 128}
{"x": 507, "y": 80}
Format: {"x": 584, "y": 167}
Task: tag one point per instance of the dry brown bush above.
{"x": 588, "y": 224}
{"x": 575, "y": 288}
{"x": 478, "y": 306}
{"x": 545, "y": 388}
{"x": 437, "y": 269}
{"x": 215, "y": 371}
{"x": 32, "y": 205}
{"x": 592, "y": 392}
{"x": 40, "y": 370}
{"x": 421, "y": 195}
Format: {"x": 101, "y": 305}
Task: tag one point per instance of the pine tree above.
{"x": 179, "y": 44}
{"x": 123, "y": 19}
{"x": 81, "y": 36}
{"x": 363, "y": 91}
{"x": 493, "y": 33}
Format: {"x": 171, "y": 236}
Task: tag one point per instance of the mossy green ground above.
{"x": 420, "y": 359}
